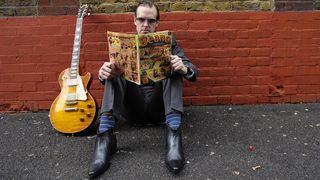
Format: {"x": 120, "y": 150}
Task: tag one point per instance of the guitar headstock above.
{"x": 84, "y": 10}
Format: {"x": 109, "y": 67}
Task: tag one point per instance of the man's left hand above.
{"x": 177, "y": 64}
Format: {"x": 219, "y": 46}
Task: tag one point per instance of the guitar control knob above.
{"x": 89, "y": 105}
{"x": 81, "y": 119}
{"x": 88, "y": 115}
{"x": 82, "y": 110}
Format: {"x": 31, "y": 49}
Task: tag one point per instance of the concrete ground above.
{"x": 220, "y": 142}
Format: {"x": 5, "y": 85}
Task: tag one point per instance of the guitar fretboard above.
{"x": 76, "y": 50}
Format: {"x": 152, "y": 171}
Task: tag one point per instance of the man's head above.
{"x": 146, "y": 17}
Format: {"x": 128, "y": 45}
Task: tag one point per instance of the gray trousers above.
{"x": 124, "y": 98}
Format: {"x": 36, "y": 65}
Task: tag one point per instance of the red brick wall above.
{"x": 243, "y": 57}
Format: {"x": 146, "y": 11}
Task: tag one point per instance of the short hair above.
{"x": 150, "y": 4}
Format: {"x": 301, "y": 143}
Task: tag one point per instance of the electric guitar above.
{"x": 74, "y": 109}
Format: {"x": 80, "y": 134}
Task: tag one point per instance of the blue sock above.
{"x": 173, "y": 120}
{"x": 106, "y": 122}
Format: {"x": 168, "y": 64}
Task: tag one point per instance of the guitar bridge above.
{"x": 70, "y": 109}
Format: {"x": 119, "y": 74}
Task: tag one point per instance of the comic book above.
{"x": 142, "y": 58}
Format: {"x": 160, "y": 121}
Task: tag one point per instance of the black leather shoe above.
{"x": 175, "y": 158}
{"x": 106, "y": 145}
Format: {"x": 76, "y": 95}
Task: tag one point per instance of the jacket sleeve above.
{"x": 176, "y": 50}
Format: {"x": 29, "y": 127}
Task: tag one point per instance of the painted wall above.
{"x": 243, "y": 57}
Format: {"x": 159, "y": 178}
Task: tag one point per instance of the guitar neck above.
{"x": 76, "y": 50}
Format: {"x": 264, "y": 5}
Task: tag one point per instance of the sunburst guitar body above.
{"x": 74, "y": 109}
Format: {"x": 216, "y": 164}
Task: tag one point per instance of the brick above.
{"x": 244, "y": 43}
{"x": 203, "y": 91}
{"x": 51, "y": 67}
{"x": 290, "y": 90}
{"x": 216, "y": 34}
{"x": 10, "y": 87}
{"x": 302, "y": 80}
{"x": 198, "y": 44}
{"x": 26, "y": 77}
{"x": 8, "y": 31}
{"x": 49, "y": 30}
{"x": 201, "y": 25}
{"x": 64, "y": 2}
{"x": 21, "y": 3}
{"x": 224, "y": 100}
{"x": 200, "y": 6}
{"x": 263, "y": 61}
{"x": 9, "y": 96}
{"x": 29, "y": 87}
{"x": 260, "y": 71}
{"x": 304, "y": 98}
{"x": 27, "y": 31}
{"x": 294, "y": 6}
{"x": 285, "y": 71}
{"x": 96, "y": 56}
{"x": 48, "y": 86}
{"x": 26, "y": 11}
{"x": 37, "y": 96}
{"x": 190, "y": 91}
{"x": 204, "y": 100}
{"x": 6, "y": 12}
{"x": 95, "y": 37}
{"x": 12, "y": 68}
{"x": 244, "y": 99}
{"x": 44, "y": 104}
{"x": 3, "y": 2}
{"x": 28, "y": 59}
{"x": 259, "y": 89}
{"x": 111, "y": 8}
{"x": 243, "y": 24}
{"x": 48, "y": 10}
{"x": 178, "y": 6}
{"x": 222, "y": 90}
{"x": 245, "y": 5}
{"x": 242, "y": 80}
{"x": 308, "y": 89}
{"x": 222, "y": 81}
{"x": 64, "y": 39}
{"x": 239, "y": 61}
{"x": 7, "y": 51}
{"x": 6, "y": 41}
{"x": 262, "y": 80}
{"x": 27, "y": 40}
{"x": 95, "y": 47}
{"x": 204, "y": 81}
{"x": 44, "y": 2}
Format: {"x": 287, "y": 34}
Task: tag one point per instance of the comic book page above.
{"x": 154, "y": 51}
{"x": 142, "y": 58}
{"x": 123, "y": 52}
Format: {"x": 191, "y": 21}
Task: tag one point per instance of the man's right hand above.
{"x": 108, "y": 71}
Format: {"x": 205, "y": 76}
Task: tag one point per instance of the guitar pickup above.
{"x": 71, "y": 102}
{"x": 71, "y": 97}
{"x": 70, "y": 109}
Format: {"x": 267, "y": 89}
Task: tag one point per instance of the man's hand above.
{"x": 177, "y": 64}
{"x": 108, "y": 71}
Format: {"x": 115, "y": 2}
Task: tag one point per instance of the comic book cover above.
{"x": 123, "y": 52}
{"x": 143, "y": 58}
